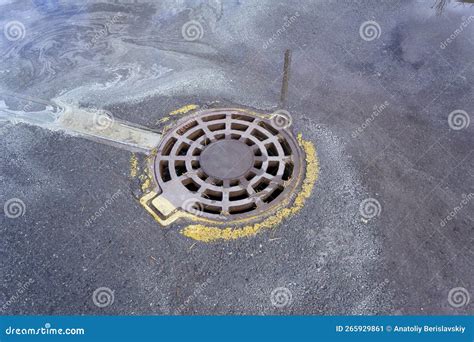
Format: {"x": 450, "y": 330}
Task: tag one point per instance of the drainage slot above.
{"x": 213, "y": 117}
{"x": 182, "y": 149}
{"x": 238, "y": 195}
{"x": 206, "y": 142}
{"x": 249, "y": 142}
{"x": 259, "y": 135}
{"x": 211, "y": 209}
{"x": 168, "y": 147}
{"x": 216, "y": 127}
{"x": 273, "y": 167}
{"x": 180, "y": 167}
{"x": 243, "y": 117}
{"x": 186, "y": 127}
{"x": 261, "y": 185}
{"x": 271, "y": 150}
{"x": 273, "y": 195}
{"x": 242, "y": 208}
{"x": 212, "y": 195}
{"x": 286, "y": 147}
{"x": 235, "y": 136}
{"x": 196, "y": 135}
{"x": 288, "y": 172}
{"x": 250, "y": 175}
{"x": 196, "y": 152}
{"x": 191, "y": 185}
{"x": 217, "y": 182}
{"x": 239, "y": 127}
{"x": 165, "y": 171}
{"x": 202, "y": 175}
{"x": 269, "y": 128}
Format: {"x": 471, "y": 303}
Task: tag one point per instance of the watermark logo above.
{"x": 99, "y": 34}
{"x": 281, "y": 119}
{"x": 197, "y": 291}
{"x": 193, "y": 206}
{"x": 458, "y": 297}
{"x": 281, "y": 297}
{"x": 370, "y": 208}
{"x": 378, "y": 110}
{"x": 458, "y": 119}
{"x": 288, "y": 21}
{"x": 14, "y": 30}
{"x": 102, "y": 209}
{"x": 14, "y": 208}
{"x": 19, "y": 292}
{"x": 103, "y": 297}
{"x": 103, "y": 120}
{"x": 453, "y": 213}
{"x": 192, "y": 30}
{"x": 465, "y": 23}
{"x": 47, "y": 329}
{"x": 370, "y": 30}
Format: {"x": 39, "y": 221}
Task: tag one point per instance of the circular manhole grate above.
{"x": 227, "y": 164}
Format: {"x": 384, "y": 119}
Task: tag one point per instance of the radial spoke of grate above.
{"x": 225, "y": 200}
{"x": 228, "y": 123}
{"x": 246, "y": 185}
{"x": 258, "y": 172}
{"x": 268, "y": 158}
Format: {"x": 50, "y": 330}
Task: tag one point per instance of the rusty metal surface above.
{"x": 227, "y": 164}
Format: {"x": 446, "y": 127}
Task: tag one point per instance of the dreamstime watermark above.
{"x": 19, "y": 292}
{"x": 46, "y": 330}
{"x": 192, "y": 30}
{"x": 288, "y": 21}
{"x": 458, "y": 119}
{"x": 102, "y": 209}
{"x": 197, "y": 291}
{"x": 14, "y": 208}
{"x": 281, "y": 119}
{"x": 465, "y": 23}
{"x": 453, "y": 213}
{"x": 103, "y": 120}
{"x": 378, "y": 110}
{"x": 14, "y": 30}
{"x": 370, "y": 208}
{"x": 370, "y": 30}
{"x": 99, "y": 34}
{"x": 281, "y": 297}
{"x": 103, "y": 297}
{"x": 458, "y": 297}
{"x": 193, "y": 206}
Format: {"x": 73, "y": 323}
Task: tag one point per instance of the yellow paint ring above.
{"x": 205, "y": 233}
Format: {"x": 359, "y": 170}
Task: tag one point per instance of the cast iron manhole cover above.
{"x": 226, "y": 164}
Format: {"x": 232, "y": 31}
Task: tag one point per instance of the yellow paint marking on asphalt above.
{"x": 146, "y": 183}
{"x": 207, "y": 234}
{"x": 165, "y": 119}
{"x": 133, "y": 165}
{"x": 184, "y": 109}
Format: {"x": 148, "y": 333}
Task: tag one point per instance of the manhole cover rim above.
{"x": 289, "y": 186}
